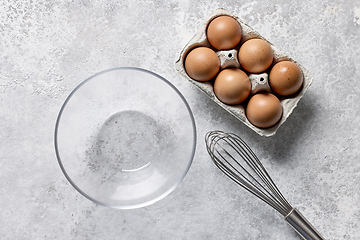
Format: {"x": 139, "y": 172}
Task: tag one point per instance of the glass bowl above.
{"x": 125, "y": 138}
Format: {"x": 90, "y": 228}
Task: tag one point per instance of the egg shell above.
{"x": 232, "y": 86}
{"x": 256, "y": 55}
{"x": 264, "y": 110}
{"x": 202, "y": 64}
{"x": 224, "y": 33}
{"x": 238, "y": 111}
{"x": 285, "y": 78}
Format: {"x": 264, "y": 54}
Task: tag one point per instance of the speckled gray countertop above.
{"x": 48, "y": 47}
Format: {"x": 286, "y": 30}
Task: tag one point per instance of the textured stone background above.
{"x": 48, "y": 47}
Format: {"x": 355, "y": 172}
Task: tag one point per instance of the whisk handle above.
{"x": 302, "y": 226}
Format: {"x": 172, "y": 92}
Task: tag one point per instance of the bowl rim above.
{"x": 163, "y": 195}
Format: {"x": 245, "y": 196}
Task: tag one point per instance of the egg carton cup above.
{"x": 259, "y": 82}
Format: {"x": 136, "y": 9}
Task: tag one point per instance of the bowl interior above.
{"x": 125, "y": 138}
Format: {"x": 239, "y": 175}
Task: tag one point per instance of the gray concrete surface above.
{"x": 48, "y": 47}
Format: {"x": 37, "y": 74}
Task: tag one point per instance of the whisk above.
{"x": 234, "y": 157}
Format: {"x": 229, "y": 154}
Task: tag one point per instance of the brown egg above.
{"x": 202, "y": 64}
{"x": 286, "y": 78}
{"x": 255, "y": 55}
{"x": 232, "y": 86}
{"x": 224, "y": 32}
{"x": 264, "y": 110}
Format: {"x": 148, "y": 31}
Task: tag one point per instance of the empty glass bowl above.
{"x": 125, "y": 138}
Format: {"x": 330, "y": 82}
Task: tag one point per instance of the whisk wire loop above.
{"x": 257, "y": 189}
{"x": 225, "y": 149}
{"x": 261, "y": 171}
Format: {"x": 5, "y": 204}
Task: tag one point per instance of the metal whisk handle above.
{"x": 302, "y": 226}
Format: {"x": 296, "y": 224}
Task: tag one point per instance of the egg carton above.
{"x": 259, "y": 82}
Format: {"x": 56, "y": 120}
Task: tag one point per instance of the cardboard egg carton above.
{"x": 259, "y": 82}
